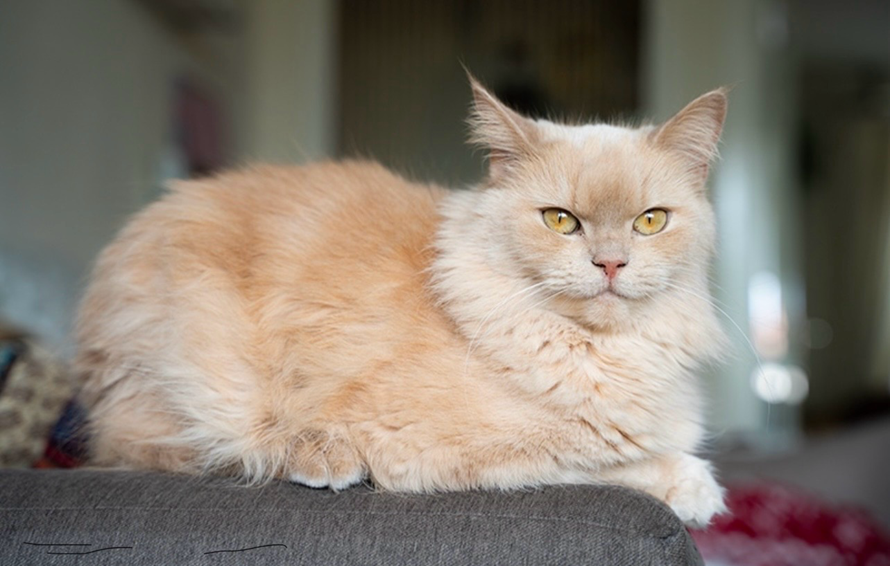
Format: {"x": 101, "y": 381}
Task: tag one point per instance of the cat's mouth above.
{"x": 610, "y": 294}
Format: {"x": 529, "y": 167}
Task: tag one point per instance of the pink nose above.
{"x": 610, "y": 266}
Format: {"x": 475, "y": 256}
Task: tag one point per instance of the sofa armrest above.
{"x": 137, "y": 518}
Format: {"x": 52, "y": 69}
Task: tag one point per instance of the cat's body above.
{"x": 333, "y": 322}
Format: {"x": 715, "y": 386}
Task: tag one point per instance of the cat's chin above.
{"x": 607, "y": 309}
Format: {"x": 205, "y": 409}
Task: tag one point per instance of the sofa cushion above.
{"x": 120, "y": 517}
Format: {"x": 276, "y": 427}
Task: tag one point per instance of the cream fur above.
{"x": 334, "y": 322}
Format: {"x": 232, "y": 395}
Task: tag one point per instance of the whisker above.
{"x": 707, "y": 275}
{"x": 537, "y": 304}
{"x": 709, "y": 298}
{"x": 757, "y": 358}
{"x": 496, "y": 308}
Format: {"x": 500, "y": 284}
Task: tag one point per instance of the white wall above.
{"x": 291, "y": 74}
{"x": 85, "y": 94}
{"x": 693, "y": 46}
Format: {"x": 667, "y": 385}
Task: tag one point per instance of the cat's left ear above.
{"x": 694, "y": 132}
{"x": 508, "y": 136}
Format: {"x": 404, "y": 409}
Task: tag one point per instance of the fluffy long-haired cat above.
{"x": 335, "y": 322}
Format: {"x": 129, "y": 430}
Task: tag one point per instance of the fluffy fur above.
{"x": 335, "y": 322}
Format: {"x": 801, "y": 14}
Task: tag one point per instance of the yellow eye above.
{"x": 561, "y": 221}
{"x": 651, "y": 222}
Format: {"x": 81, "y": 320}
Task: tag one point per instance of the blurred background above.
{"x": 103, "y": 101}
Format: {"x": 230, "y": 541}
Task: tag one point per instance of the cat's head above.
{"x": 606, "y": 218}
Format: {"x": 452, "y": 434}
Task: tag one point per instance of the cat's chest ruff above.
{"x": 627, "y": 395}
{"x": 575, "y": 369}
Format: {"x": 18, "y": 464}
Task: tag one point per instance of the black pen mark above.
{"x": 56, "y": 544}
{"x": 92, "y": 551}
{"x": 245, "y": 549}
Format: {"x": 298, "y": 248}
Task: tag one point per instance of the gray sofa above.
{"x": 113, "y": 517}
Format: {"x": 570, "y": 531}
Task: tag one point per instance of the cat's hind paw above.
{"x": 321, "y": 460}
{"x": 336, "y": 483}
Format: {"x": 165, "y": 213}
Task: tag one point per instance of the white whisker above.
{"x": 757, "y": 358}
{"x": 536, "y": 305}
{"x": 526, "y": 290}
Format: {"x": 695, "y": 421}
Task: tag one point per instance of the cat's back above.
{"x": 355, "y": 200}
{"x": 231, "y": 221}
{"x": 234, "y": 246}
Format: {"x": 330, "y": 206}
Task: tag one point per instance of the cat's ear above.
{"x": 506, "y": 135}
{"x": 694, "y": 133}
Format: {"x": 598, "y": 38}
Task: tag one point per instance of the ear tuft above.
{"x": 695, "y": 131}
{"x": 506, "y": 135}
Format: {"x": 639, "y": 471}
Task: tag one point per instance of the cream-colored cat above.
{"x": 335, "y": 322}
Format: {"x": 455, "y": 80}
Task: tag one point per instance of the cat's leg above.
{"x": 686, "y": 483}
{"x": 318, "y": 458}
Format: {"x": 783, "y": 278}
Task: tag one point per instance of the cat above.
{"x": 335, "y": 323}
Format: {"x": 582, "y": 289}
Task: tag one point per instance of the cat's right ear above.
{"x": 506, "y": 135}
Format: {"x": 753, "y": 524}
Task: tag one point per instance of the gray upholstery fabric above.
{"x": 166, "y": 519}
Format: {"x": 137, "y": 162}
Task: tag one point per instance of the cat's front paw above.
{"x": 695, "y": 495}
{"x": 322, "y": 460}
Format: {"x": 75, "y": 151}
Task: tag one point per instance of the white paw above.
{"x": 317, "y": 483}
{"x": 343, "y": 482}
{"x": 320, "y": 459}
{"x": 695, "y": 495}
{"x": 321, "y": 482}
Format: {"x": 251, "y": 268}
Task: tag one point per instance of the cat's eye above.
{"x": 561, "y": 221}
{"x": 651, "y": 222}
